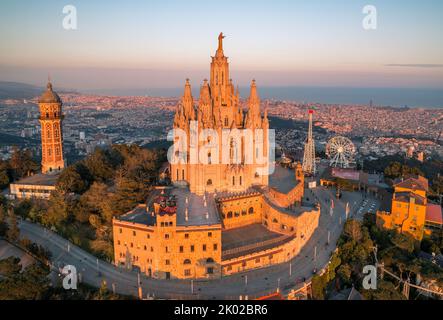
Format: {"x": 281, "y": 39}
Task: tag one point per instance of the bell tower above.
{"x": 51, "y": 117}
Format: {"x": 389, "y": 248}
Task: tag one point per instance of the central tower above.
{"x": 222, "y": 168}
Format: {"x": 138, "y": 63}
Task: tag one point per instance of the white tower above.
{"x": 309, "y": 154}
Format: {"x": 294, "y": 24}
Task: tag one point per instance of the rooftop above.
{"x": 433, "y": 213}
{"x": 347, "y": 294}
{"x": 138, "y": 215}
{"x": 294, "y": 211}
{"x": 39, "y": 179}
{"x": 283, "y": 179}
{"x": 49, "y": 96}
{"x": 406, "y": 196}
{"x": 249, "y": 239}
{"x": 198, "y": 213}
{"x": 201, "y": 209}
{"x": 415, "y": 183}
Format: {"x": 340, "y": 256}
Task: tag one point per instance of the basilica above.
{"x": 224, "y": 165}
{"x": 230, "y": 207}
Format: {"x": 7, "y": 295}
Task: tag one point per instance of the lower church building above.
{"x": 224, "y": 214}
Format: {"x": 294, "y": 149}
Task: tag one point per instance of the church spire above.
{"x": 205, "y": 112}
{"x": 188, "y": 101}
{"x": 253, "y": 96}
{"x": 253, "y": 117}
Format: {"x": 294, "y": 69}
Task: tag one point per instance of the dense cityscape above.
{"x": 93, "y": 120}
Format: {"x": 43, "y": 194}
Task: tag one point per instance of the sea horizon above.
{"x": 431, "y": 98}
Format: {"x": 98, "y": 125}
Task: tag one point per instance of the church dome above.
{"x": 49, "y": 96}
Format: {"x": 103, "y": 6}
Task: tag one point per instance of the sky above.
{"x": 138, "y": 44}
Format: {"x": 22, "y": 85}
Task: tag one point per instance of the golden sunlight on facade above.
{"x": 410, "y": 212}
{"x": 42, "y": 184}
{"x": 218, "y": 218}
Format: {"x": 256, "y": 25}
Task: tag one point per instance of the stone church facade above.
{"x": 223, "y": 212}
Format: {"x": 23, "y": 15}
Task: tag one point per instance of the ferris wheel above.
{"x": 340, "y": 151}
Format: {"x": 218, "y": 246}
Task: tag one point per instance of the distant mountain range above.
{"x": 17, "y": 90}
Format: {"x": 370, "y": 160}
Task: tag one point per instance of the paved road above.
{"x": 254, "y": 283}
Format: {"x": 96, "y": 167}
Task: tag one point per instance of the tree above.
{"x": 23, "y": 207}
{"x": 127, "y": 195}
{"x": 344, "y": 272}
{"x": 22, "y": 163}
{"x": 353, "y": 229}
{"x": 57, "y": 210}
{"x": 70, "y": 181}
{"x": 333, "y": 264}
{"x": 100, "y": 166}
{"x": 13, "y": 232}
{"x": 369, "y": 220}
{"x": 319, "y": 284}
{"x": 98, "y": 200}
{"x": 3, "y": 223}
{"x": 4, "y": 178}
{"x": 396, "y": 169}
{"x": 30, "y": 284}
{"x": 404, "y": 242}
{"x": 10, "y": 266}
{"x": 385, "y": 291}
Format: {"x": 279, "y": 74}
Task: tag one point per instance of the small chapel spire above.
{"x": 253, "y": 96}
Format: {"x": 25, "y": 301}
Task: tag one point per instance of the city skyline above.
{"x": 157, "y": 45}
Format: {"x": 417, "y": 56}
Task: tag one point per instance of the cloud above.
{"x": 415, "y": 65}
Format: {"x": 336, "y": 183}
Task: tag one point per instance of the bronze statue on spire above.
{"x": 220, "y": 40}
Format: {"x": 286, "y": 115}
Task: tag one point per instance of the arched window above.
{"x": 251, "y": 210}
{"x": 55, "y": 130}
{"x": 210, "y": 260}
{"x": 275, "y": 220}
{"x": 209, "y": 158}
{"x": 183, "y": 174}
{"x": 226, "y": 122}
{"x": 240, "y": 180}
{"x": 209, "y": 182}
{"x": 187, "y": 261}
{"x": 233, "y": 180}
{"x": 48, "y": 131}
{"x": 231, "y": 149}
{"x": 230, "y": 214}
